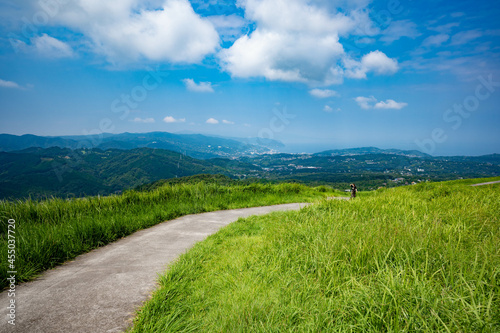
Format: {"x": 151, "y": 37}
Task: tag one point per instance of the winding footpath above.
{"x": 101, "y": 290}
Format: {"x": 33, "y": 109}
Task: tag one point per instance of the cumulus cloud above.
{"x": 131, "y": 30}
{"x": 365, "y": 102}
{"x": 376, "y": 62}
{"x": 283, "y": 57}
{"x": 323, "y": 93}
{"x": 170, "y": 119}
{"x": 198, "y": 87}
{"x": 144, "y": 121}
{"x": 371, "y": 102}
{"x": 212, "y": 121}
{"x": 379, "y": 63}
{"x": 9, "y": 84}
{"x": 227, "y": 122}
{"x": 295, "y": 41}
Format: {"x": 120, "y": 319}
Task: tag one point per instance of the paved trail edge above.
{"x": 101, "y": 290}
{"x": 488, "y": 183}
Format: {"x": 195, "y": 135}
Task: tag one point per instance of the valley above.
{"x": 62, "y": 171}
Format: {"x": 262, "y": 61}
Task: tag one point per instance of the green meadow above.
{"x": 50, "y": 232}
{"x": 423, "y": 258}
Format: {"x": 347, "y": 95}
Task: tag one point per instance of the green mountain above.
{"x": 10, "y": 142}
{"x": 194, "y": 145}
{"x": 41, "y": 172}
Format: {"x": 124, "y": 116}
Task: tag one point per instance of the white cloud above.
{"x": 399, "y": 29}
{"x": 284, "y": 57}
{"x": 390, "y": 104}
{"x": 198, "y": 87}
{"x": 294, "y": 41}
{"x": 45, "y": 46}
{"x": 144, "y": 121}
{"x": 435, "y": 40}
{"x": 354, "y": 69}
{"x": 445, "y": 28}
{"x": 227, "y": 122}
{"x": 457, "y": 14}
{"x": 328, "y": 108}
{"x": 51, "y": 47}
{"x": 371, "y": 102}
{"x": 9, "y": 84}
{"x": 170, "y": 119}
{"x": 212, "y": 121}
{"x": 379, "y": 63}
{"x": 465, "y": 37}
{"x": 375, "y": 61}
{"x": 132, "y": 30}
{"x": 365, "y": 102}
{"x": 323, "y": 93}
{"x": 297, "y": 15}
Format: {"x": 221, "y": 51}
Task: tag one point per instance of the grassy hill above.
{"x": 422, "y": 258}
{"x": 49, "y": 172}
{"x": 53, "y": 231}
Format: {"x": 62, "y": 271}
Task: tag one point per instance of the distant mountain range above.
{"x": 372, "y": 150}
{"x": 194, "y": 145}
{"x": 81, "y": 165}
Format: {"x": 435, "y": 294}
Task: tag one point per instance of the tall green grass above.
{"x": 52, "y": 231}
{"x": 424, "y": 258}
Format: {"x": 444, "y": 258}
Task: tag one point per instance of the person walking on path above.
{"x": 354, "y": 190}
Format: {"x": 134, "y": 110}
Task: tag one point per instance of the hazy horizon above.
{"x": 291, "y": 147}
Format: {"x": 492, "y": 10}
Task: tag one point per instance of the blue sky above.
{"x": 315, "y": 74}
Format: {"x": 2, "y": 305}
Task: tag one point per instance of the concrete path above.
{"x": 488, "y": 183}
{"x": 101, "y": 290}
